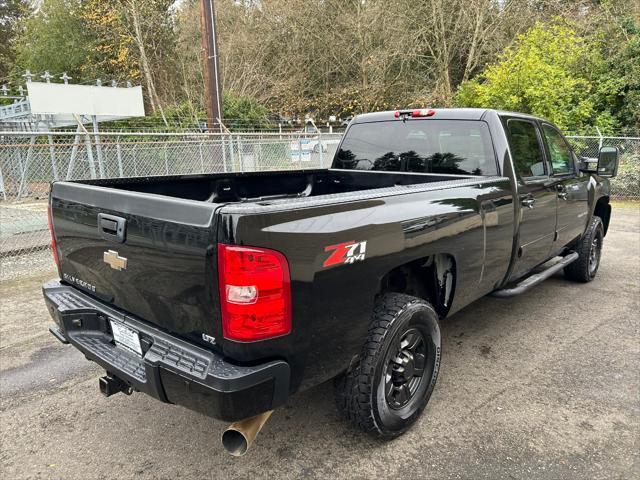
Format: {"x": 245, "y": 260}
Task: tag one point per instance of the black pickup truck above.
{"x": 227, "y": 293}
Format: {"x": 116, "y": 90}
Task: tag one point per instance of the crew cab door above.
{"x": 571, "y": 190}
{"x": 537, "y": 195}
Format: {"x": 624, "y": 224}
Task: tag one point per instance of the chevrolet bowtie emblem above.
{"x": 114, "y": 260}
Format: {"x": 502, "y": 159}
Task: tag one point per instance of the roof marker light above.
{"x": 423, "y": 112}
{"x": 417, "y": 113}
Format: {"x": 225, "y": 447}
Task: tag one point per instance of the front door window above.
{"x": 559, "y": 152}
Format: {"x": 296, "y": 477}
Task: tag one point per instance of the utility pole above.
{"x": 212, "y": 91}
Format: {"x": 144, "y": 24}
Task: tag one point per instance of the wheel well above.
{"x": 603, "y": 210}
{"x": 431, "y": 278}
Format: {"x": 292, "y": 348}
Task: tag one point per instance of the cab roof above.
{"x": 440, "y": 113}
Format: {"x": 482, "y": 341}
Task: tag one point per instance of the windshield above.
{"x": 423, "y": 146}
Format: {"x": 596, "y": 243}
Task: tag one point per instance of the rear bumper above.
{"x": 170, "y": 369}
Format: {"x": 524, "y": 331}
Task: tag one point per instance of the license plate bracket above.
{"x": 125, "y": 337}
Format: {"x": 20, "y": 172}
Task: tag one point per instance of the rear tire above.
{"x": 589, "y": 249}
{"x": 385, "y": 392}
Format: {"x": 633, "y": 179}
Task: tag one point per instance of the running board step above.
{"x": 535, "y": 279}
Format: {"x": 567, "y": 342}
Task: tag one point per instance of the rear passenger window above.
{"x": 525, "y": 148}
{"x": 559, "y": 152}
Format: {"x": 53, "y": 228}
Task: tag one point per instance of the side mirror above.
{"x": 608, "y": 162}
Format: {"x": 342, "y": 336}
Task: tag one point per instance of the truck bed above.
{"x": 266, "y": 186}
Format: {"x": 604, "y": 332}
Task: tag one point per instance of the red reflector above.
{"x": 423, "y": 112}
{"x": 255, "y": 293}
{"x": 397, "y": 114}
{"x": 54, "y": 245}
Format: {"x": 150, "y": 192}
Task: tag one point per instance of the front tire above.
{"x": 589, "y": 249}
{"x": 396, "y": 373}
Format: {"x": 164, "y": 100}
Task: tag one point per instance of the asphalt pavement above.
{"x": 545, "y": 385}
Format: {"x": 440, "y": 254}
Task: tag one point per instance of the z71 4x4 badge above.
{"x": 347, "y": 252}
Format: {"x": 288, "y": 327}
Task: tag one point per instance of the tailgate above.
{"x": 150, "y": 255}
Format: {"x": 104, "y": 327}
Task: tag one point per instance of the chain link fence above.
{"x": 626, "y": 185}
{"x": 29, "y": 162}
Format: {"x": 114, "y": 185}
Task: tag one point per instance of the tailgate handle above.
{"x": 111, "y": 227}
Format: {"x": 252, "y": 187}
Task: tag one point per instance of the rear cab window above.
{"x": 458, "y": 147}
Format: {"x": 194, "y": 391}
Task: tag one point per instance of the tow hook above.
{"x": 111, "y": 385}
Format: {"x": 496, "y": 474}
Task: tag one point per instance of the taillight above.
{"x": 54, "y": 245}
{"x": 255, "y": 293}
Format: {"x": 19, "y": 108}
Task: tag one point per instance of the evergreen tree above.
{"x": 12, "y": 15}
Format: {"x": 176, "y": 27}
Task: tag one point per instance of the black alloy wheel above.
{"x": 405, "y": 368}
{"x": 385, "y": 392}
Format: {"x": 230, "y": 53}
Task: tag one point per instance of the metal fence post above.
{"x": 18, "y": 159}
{"x": 240, "y": 152}
{"x": 166, "y": 159}
{"x": 98, "y": 145}
{"x": 201, "y": 157}
{"x": 224, "y": 155}
{"x": 74, "y": 152}
{"x": 2, "y": 190}
{"x": 233, "y": 162}
{"x": 320, "y": 148}
{"x": 92, "y": 167}
{"x": 119, "y": 155}
{"x": 25, "y": 167}
{"x": 259, "y": 157}
{"x": 52, "y": 153}
{"x": 135, "y": 159}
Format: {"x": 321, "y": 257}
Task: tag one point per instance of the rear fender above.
{"x": 432, "y": 278}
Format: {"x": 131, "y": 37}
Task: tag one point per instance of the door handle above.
{"x": 528, "y": 202}
{"x": 112, "y": 228}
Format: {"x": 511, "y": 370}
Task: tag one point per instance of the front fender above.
{"x": 599, "y": 192}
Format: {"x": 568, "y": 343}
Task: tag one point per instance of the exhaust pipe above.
{"x": 239, "y": 436}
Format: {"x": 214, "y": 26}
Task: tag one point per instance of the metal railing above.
{"x": 13, "y": 110}
{"x": 30, "y": 161}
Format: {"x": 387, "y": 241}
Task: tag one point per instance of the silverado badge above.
{"x": 114, "y": 260}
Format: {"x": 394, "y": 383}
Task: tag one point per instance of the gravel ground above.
{"x": 545, "y": 385}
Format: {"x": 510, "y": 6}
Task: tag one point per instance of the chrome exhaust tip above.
{"x": 239, "y": 436}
